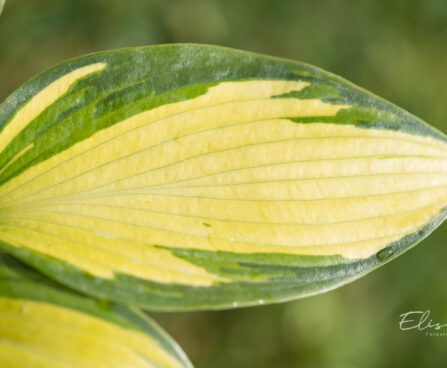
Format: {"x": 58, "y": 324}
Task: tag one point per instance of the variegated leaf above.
{"x": 45, "y": 325}
{"x": 191, "y": 177}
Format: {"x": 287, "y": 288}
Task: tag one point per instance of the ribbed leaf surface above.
{"x": 192, "y": 177}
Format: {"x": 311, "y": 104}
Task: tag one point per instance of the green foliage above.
{"x": 396, "y": 48}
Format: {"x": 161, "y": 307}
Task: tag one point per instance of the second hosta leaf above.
{"x": 193, "y": 177}
{"x": 45, "y": 325}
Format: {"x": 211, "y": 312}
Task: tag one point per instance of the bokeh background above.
{"x": 395, "y": 48}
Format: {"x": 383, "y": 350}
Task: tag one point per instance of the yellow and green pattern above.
{"x": 45, "y": 325}
{"x": 192, "y": 177}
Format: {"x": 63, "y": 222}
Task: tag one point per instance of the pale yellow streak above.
{"x": 64, "y": 337}
{"x": 38, "y": 103}
{"x": 349, "y": 240}
{"x": 16, "y": 157}
{"x": 234, "y": 173}
{"x": 102, "y": 255}
{"x": 13, "y": 355}
{"x": 311, "y": 189}
{"x": 173, "y": 121}
{"x": 302, "y": 140}
{"x": 181, "y": 212}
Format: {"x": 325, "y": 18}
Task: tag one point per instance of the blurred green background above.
{"x": 395, "y": 48}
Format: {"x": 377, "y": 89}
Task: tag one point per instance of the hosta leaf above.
{"x": 188, "y": 176}
{"x": 45, "y": 325}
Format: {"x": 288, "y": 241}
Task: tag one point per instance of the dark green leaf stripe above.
{"x": 43, "y": 324}
{"x": 190, "y": 177}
